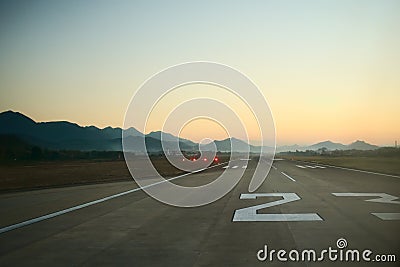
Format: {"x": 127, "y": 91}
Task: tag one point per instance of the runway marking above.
{"x": 369, "y": 172}
{"x": 273, "y": 167}
{"x": 309, "y": 166}
{"x": 382, "y": 197}
{"x": 387, "y": 216}
{"x": 84, "y": 205}
{"x": 377, "y": 173}
{"x": 278, "y": 159}
{"x": 245, "y": 159}
{"x": 235, "y": 167}
{"x": 250, "y": 214}
{"x": 288, "y": 177}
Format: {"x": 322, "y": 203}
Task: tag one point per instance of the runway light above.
{"x": 215, "y": 159}
{"x": 205, "y": 159}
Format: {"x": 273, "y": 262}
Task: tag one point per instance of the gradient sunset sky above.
{"x": 330, "y": 70}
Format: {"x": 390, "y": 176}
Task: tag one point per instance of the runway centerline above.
{"x": 288, "y": 177}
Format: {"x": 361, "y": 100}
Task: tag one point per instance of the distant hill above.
{"x": 361, "y": 145}
{"x": 170, "y": 138}
{"x": 289, "y": 148}
{"x": 61, "y": 134}
{"x": 329, "y": 145}
{"x": 225, "y": 145}
{"x": 70, "y": 136}
{"x": 241, "y": 146}
{"x": 154, "y": 145}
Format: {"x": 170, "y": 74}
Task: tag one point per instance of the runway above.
{"x": 300, "y": 206}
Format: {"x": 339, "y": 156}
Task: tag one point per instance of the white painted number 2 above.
{"x": 250, "y": 214}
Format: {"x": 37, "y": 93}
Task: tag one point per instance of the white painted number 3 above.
{"x": 250, "y": 214}
{"x": 379, "y": 198}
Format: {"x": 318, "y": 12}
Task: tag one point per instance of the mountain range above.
{"x": 70, "y": 136}
{"x": 329, "y": 145}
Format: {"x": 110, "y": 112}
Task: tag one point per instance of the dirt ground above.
{"x": 49, "y": 174}
{"x": 36, "y": 175}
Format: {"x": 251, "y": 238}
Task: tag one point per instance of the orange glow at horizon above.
{"x": 329, "y": 70}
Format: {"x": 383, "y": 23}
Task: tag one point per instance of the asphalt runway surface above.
{"x": 301, "y": 206}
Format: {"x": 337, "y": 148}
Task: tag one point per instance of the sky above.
{"x": 330, "y": 70}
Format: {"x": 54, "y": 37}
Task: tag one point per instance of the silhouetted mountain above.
{"x": 289, "y": 148}
{"x": 238, "y": 145}
{"x": 361, "y": 145}
{"x": 71, "y": 136}
{"x": 328, "y": 145}
{"x": 61, "y": 134}
{"x": 110, "y": 132}
{"x": 170, "y": 138}
{"x": 153, "y": 145}
{"x": 225, "y": 145}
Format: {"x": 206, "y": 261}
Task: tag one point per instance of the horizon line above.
{"x": 300, "y": 144}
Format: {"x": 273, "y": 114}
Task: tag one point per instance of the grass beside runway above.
{"x": 36, "y": 175}
{"x": 388, "y": 165}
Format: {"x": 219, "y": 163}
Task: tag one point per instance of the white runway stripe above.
{"x": 234, "y": 167}
{"x": 362, "y": 171}
{"x": 311, "y": 167}
{"x": 61, "y": 212}
{"x": 244, "y": 167}
{"x": 369, "y": 172}
{"x": 288, "y": 177}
